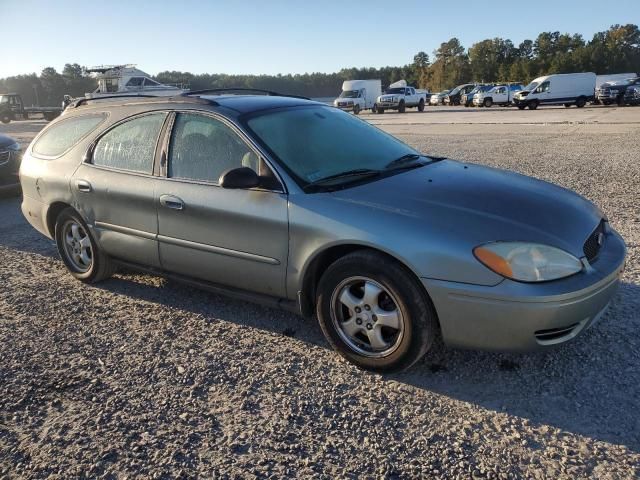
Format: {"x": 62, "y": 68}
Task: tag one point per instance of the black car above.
{"x": 10, "y": 157}
{"x": 453, "y": 98}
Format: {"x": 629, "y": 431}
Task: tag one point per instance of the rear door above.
{"x": 231, "y": 237}
{"x": 114, "y": 189}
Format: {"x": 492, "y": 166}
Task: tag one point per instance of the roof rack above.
{"x": 86, "y": 100}
{"x": 241, "y": 89}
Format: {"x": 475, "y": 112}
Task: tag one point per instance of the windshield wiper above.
{"x": 358, "y": 172}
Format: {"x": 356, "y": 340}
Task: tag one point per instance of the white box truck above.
{"x": 560, "y": 89}
{"x": 358, "y": 95}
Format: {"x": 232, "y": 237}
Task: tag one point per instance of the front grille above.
{"x": 4, "y": 157}
{"x": 595, "y": 241}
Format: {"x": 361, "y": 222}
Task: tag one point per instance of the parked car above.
{"x": 498, "y": 95}
{"x": 560, "y": 89}
{"x": 438, "y": 98}
{"x": 358, "y": 95}
{"x": 453, "y": 97}
{"x": 302, "y": 206}
{"x": 611, "y": 78}
{"x": 399, "y": 97}
{"x": 632, "y": 96}
{"x": 614, "y": 92}
{"x": 467, "y": 98}
{"x": 10, "y": 157}
{"x": 12, "y": 108}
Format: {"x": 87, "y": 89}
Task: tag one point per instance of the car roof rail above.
{"x": 241, "y": 89}
{"x": 86, "y": 100}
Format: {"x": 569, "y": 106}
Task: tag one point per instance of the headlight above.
{"x": 14, "y": 146}
{"x": 527, "y": 262}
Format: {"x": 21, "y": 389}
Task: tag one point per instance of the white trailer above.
{"x": 358, "y": 95}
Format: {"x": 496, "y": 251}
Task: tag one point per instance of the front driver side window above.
{"x": 202, "y": 148}
{"x": 544, "y": 87}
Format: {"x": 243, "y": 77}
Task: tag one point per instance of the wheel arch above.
{"x": 321, "y": 260}
{"x": 53, "y": 212}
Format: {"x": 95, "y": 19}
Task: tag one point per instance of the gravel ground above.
{"x": 143, "y": 377}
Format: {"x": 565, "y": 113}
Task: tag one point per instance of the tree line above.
{"x": 616, "y": 50}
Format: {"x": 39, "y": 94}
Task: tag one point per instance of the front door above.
{"x": 115, "y": 190}
{"x": 232, "y": 237}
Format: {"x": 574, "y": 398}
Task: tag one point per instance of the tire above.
{"x": 487, "y": 102}
{"x": 393, "y": 292}
{"x": 356, "y": 109}
{"x": 532, "y": 105}
{"x": 567, "y": 105}
{"x": 89, "y": 264}
{"x": 421, "y": 105}
{"x": 5, "y": 118}
{"x": 620, "y": 101}
{"x": 374, "y": 109}
{"x": 380, "y": 110}
{"x": 521, "y": 107}
{"x": 581, "y": 102}
{"x": 401, "y": 107}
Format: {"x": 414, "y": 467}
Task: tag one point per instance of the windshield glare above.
{"x": 349, "y": 94}
{"x": 4, "y": 99}
{"x": 394, "y": 90}
{"x": 316, "y": 142}
{"x": 532, "y": 86}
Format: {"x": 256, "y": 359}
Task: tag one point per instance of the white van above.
{"x": 560, "y": 89}
{"x": 358, "y": 95}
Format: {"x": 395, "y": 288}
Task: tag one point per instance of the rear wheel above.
{"x": 533, "y": 104}
{"x": 79, "y": 251}
{"x": 401, "y": 107}
{"x": 5, "y": 118}
{"x": 421, "y": 106}
{"x": 374, "y": 313}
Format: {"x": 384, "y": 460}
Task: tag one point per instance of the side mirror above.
{"x": 242, "y": 177}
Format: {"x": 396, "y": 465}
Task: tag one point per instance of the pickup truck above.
{"x": 12, "y": 108}
{"x": 400, "y": 98}
{"x": 613, "y": 92}
{"x": 498, "y": 95}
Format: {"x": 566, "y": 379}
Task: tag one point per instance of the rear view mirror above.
{"x": 242, "y": 177}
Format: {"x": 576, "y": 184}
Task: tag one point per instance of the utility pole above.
{"x": 35, "y": 89}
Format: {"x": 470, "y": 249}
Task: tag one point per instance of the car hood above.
{"x": 482, "y": 204}
{"x": 5, "y": 141}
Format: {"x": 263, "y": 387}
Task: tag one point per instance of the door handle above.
{"x": 170, "y": 201}
{"x": 83, "y": 186}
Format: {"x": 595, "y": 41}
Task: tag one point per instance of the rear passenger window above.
{"x": 202, "y": 148}
{"x": 63, "y": 135}
{"x": 131, "y": 145}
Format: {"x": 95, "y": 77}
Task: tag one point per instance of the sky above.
{"x": 274, "y": 36}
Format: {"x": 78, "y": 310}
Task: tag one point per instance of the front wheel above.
{"x": 374, "y": 313}
{"x": 581, "y": 102}
{"x": 421, "y": 106}
{"x": 401, "y": 108}
{"x": 356, "y": 109}
{"x": 5, "y": 118}
{"x": 521, "y": 107}
{"x": 488, "y": 102}
{"x": 79, "y": 251}
{"x": 567, "y": 105}
{"x": 533, "y": 105}
{"x": 380, "y": 110}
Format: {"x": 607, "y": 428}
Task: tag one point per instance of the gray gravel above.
{"x": 142, "y": 377}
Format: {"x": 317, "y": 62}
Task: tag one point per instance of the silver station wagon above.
{"x": 299, "y": 205}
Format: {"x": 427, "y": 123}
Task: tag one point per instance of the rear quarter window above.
{"x": 66, "y": 133}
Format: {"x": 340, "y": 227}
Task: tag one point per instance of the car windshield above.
{"x": 313, "y": 143}
{"x": 532, "y": 86}
{"x": 349, "y": 94}
{"x": 394, "y": 90}
{"x": 454, "y": 91}
{"x": 4, "y": 99}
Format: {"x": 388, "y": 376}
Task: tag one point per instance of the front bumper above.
{"x": 388, "y": 104}
{"x": 9, "y": 167}
{"x": 345, "y": 107}
{"x": 516, "y": 316}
